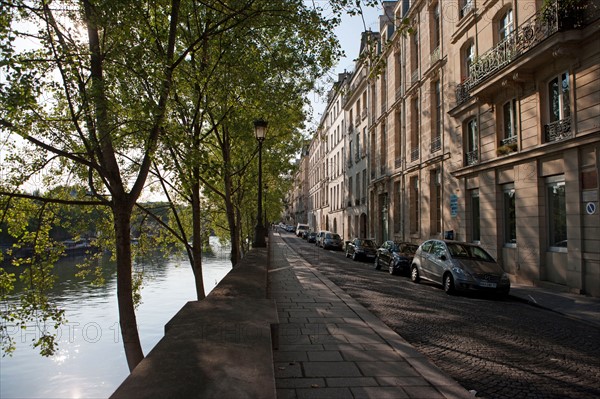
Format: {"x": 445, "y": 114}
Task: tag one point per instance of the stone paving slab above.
{"x": 330, "y": 346}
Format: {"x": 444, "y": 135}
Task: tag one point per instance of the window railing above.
{"x": 398, "y": 162}
{"x": 559, "y": 130}
{"x": 399, "y": 92}
{"x": 414, "y": 154}
{"x": 472, "y": 157}
{"x": 414, "y": 76}
{"x": 434, "y": 56}
{"x": 509, "y": 140}
{"x": 436, "y": 144}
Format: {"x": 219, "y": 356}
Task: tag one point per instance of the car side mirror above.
{"x": 443, "y": 257}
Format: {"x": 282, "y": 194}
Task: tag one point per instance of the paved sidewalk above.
{"x": 580, "y": 307}
{"x": 330, "y": 346}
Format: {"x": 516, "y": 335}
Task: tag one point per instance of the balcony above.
{"x": 472, "y": 157}
{"x": 527, "y": 36}
{"x": 557, "y": 131}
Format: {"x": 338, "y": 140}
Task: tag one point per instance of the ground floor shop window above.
{"x": 557, "y": 212}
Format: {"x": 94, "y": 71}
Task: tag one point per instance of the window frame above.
{"x": 550, "y": 182}
{"x": 562, "y": 115}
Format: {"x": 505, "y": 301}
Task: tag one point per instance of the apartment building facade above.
{"x": 483, "y": 125}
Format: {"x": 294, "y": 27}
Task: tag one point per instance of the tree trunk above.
{"x": 197, "y": 240}
{"x": 127, "y": 318}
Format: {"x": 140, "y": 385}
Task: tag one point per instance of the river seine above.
{"x": 90, "y": 362}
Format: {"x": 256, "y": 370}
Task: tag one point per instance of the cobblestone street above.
{"x": 498, "y": 348}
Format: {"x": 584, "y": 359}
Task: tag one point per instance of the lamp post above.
{"x": 266, "y": 221}
{"x": 260, "y": 130}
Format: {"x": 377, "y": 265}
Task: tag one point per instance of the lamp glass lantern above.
{"x": 260, "y": 129}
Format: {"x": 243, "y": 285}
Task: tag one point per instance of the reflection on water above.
{"x": 90, "y": 362}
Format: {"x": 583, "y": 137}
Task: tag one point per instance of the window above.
{"x": 414, "y": 204}
{"x": 414, "y": 129}
{"x": 435, "y": 27}
{"x": 475, "y": 216}
{"x": 468, "y": 56}
{"x": 435, "y": 192}
{"x": 414, "y": 54}
{"x": 559, "y": 103}
{"x": 557, "y": 212}
{"x": 510, "y": 219}
{"x": 358, "y": 150}
{"x": 471, "y": 139}
{"x": 466, "y": 6}
{"x": 558, "y": 92}
{"x": 436, "y": 117}
{"x": 509, "y": 123}
{"x": 505, "y": 25}
{"x": 350, "y": 202}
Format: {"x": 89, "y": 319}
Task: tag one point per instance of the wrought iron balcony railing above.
{"x": 559, "y": 130}
{"x": 545, "y": 23}
{"x": 472, "y": 157}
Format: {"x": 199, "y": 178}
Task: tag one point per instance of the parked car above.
{"x": 301, "y": 228}
{"x": 311, "y": 236}
{"x": 361, "y": 248}
{"x": 333, "y": 241}
{"x": 458, "y": 266}
{"x": 319, "y": 238}
{"x": 396, "y": 256}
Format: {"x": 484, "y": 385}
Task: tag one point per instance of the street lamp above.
{"x": 260, "y": 130}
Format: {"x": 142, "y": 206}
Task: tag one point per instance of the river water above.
{"x": 90, "y": 362}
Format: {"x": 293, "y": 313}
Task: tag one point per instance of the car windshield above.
{"x": 333, "y": 236}
{"x": 407, "y": 248}
{"x": 469, "y": 252}
{"x": 367, "y": 243}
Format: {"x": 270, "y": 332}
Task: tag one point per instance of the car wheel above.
{"x": 391, "y": 268}
{"x": 449, "y": 284}
{"x": 414, "y": 274}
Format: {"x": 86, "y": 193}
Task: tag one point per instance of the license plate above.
{"x": 487, "y": 285}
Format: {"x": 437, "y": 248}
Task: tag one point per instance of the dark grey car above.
{"x": 458, "y": 266}
{"x": 361, "y": 248}
{"x": 396, "y": 256}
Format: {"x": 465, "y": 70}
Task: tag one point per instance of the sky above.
{"x": 348, "y": 34}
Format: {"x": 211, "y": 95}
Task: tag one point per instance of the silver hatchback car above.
{"x": 458, "y": 266}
